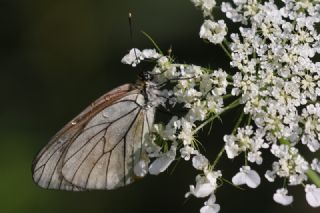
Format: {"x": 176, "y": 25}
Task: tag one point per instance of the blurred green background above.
{"x": 58, "y": 56}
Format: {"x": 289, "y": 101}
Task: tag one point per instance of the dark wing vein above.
{"x": 44, "y": 164}
{"x": 125, "y": 147}
{"x": 104, "y": 129}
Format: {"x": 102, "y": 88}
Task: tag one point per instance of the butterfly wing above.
{"x": 103, "y": 155}
{"x": 48, "y": 165}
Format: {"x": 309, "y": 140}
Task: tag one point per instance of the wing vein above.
{"x": 104, "y": 129}
{"x": 125, "y": 147}
{"x": 82, "y": 161}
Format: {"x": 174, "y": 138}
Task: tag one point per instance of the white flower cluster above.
{"x": 200, "y": 92}
{"x": 205, "y": 5}
{"x": 279, "y": 85}
{"x": 135, "y": 56}
{"x": 315, "y": 165}
{"x": 246, "y": 140}
{"x": 274, "y": 78}
{"x": 310, "y": 117}
{"x": 206, "y": 186}
{"x": 214, "y": 32}
{"x": 290, "y": 165}
{"x": 243, "y": 10}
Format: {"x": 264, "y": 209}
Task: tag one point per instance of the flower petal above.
{"x": 247, "y": 176}
{"x": 210, "y": 209}
{"x": 313, "y": 195}
{"x": 202, "y": 190}
{"x": 282, "y": 198}
{"x": 141, "y": 168}
{"x": 253, "y": 179}
{"x": 161, "y": 163}
{"x": 239, "y": 179}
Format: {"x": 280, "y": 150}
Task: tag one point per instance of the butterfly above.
{"x": 98, "y": 149}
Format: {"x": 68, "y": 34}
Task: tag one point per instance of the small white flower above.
{"x": 186, "y": 134}
{"x": 290, "y": 164}
{"x": 282, "y": 197}
{"x": 196, "y": 2}
{"x": 187, "y": 151}
{"x": 232, "y": 13}
{"x": 246, "y": 140}
{"x": 210, "y": 205}
{"x": 247, "y": 176}
{"x": 206, "y": 5}
{"x": 203, "y": 188}
{"x": 200, "y": 162}
{"x": 150, "y": 54}
{"x": 133, "y": 57}
{"x": 163, "y": 162}
{"x": 270, "y": 175}
{"x": 141, "y": 168}
{"x": 213, "y": 31}
{"x": 197, "y": 112}
{"x": 315, "y": 165}
{"x": 163, "y": 62}
{"x": 153, "y": 149}
{"x": 255, "y": 157}
{"x": 232, "y": 149}
{"x": 213, "y": 176}
{"x": 313, "y": 195}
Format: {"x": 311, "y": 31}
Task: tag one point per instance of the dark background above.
{"x": 57, "y": 56}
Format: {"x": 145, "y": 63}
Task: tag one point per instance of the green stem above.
{"x": 152, "y": 41}
{"x": 238, "y": 122}
{"x": 223, "y": 148}
{"x": 218, "y": 157}
{"x": 314, "y": 177}
{"x": 249, "y": 119}
{"x": 222, "y": 45}
{"x": 230, "y": 106}
{"x": 226, "y": 43}
{"x": 227, "y": 96}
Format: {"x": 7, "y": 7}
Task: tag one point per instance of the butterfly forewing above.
{"x": 98, "y": 148}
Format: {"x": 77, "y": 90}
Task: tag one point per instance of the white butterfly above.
{"x": 99, "y": 148}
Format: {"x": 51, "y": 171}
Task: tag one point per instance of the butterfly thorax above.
{"x": 149, "y": 90}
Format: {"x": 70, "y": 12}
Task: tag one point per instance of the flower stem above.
{"x": 249, "y": 119}
{"x": 227, "y": 96}
{"x": 238, "y": 122}
{"x": 314, "y": 177}
{"x": 226, "y": 43}
{"x": 223, "y": 148}
{"x": 223, "y": 46}
{"x": 230, "y": 106}
{"x": 152, "y": 41}
{"x": 218, "y": 157}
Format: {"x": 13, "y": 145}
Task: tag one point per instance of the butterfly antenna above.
{"x": 130, "y": 24}
{"x": 140, "y": 72}
{"x": 131, "y": 34}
